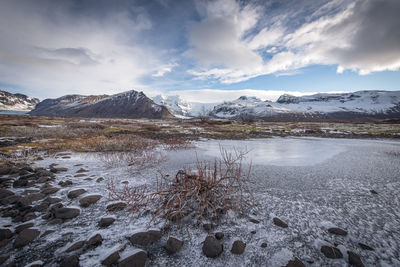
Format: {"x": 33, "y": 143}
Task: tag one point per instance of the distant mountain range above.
{"x": 133, "y": 104}
{"x": 130, "y": 104}
{"x": 16, "y": 102}
{"x": 361, "y": 104}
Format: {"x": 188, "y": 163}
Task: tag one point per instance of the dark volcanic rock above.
{"x": 254, "y": 221}
{"x": 50, "y": 190}
{"x": 137, "y": 259}
{"x": 81, "y": 170}
{"x": 105, "y": 222}
{"x": 337, "y": 231}
{"x": 173, "y": 245}
{"x": 145, "y": 238}
{"x": 111, "y": 259}
{"x": 365, "y": 247}
{"x": 70, "y": 261}
{"x": 354, "y": 259}
{"x": 264, "y": 245}
{"x": 212, "y": 248}
{"x": 130, "y": 104}
{"x": 295, "y": 263}
{"x": 76, "y": 193}
{"x": 280, "y": 223}
{"x": 100, "y": 179}
{"x": 65, "y": 183}
{"x": 238, "y": 247}
{"x": 25, "y": 237}
{"x": 89, "y": 200}
{"x": 66, "y": 213}
{"x": 5, "y": 234}
{"x": 116, "y": 206}
{"x": 331, "y": 252}
{"x": 75, "y": 246}
{"x": 22, "y": 227}
{"x": 95, "y": 241}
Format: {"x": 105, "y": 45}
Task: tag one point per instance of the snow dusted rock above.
{"x": 238, "y": 247}
{"x": 100, "y": 179}
{"x": 89, "y": 200}
{"x": 66, "y": 213}
{"x": 337, "y": 231}
{"x": 81, "y": 170}
{"x": 76, "y": 193}
{"x": 173, "y": 245}
{"x": 331, "y": 252}
{"x": 9, "y": 101}
{"x": 219, "y": 235}
{"x": 75, "y": 246}
{"x": 144, "y": 238}
{"x": 25, "y": 237}
{"x": 70, "y": 261}
{"x": 212, "y": 248}
{"x": 137, "y": 259}
{"x": 5, "y": 234}
{"x": 105, "y": 222}
{"x": 280, "y": 223}
{"x": 111, "y": 259}
{"x": 354, "y": 259}
{"x": 95, "y": 241}
{"x": 116, "y": 206}
{"x": 264, "y": 245}
{"x": 295, "y": 263}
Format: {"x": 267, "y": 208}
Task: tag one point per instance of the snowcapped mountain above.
{"x": 182, "y": 108}
{"x": 130, "y": 104}
{"x": 379, "y": 104}
{"x": 19, "y": 102}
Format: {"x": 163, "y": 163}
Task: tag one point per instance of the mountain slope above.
{"x": 20, "y": 102}
{"x": 378, "y": 104}
{"x": 180, "y": 107}
{"x": 130, "y": 104}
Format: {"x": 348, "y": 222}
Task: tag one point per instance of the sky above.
{"x": 205, "y": 51}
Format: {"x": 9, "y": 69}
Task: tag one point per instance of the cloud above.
{"x": 57, "y": 50}
{"x": 361, "y": 36}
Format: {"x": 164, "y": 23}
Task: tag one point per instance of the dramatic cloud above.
{"x": 362, "y": 36}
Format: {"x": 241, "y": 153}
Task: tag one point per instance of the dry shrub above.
{"x": 137, "y": 161}
{"x": 203, "y": 194}
{"x": 175, "y": 143}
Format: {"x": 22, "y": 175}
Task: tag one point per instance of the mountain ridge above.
{"x": 16, "y": 102}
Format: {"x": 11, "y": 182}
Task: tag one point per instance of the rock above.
{"x": 80, "y": 175}
{"x": 50, "y": 190}
{"x": 354, "y": 259}
{"x": 5, "y": 234}
{"x": 29, "y": 216}
{"x": 238, "y": 247}
{"x": 253, "y": 232}
{"x": 295, "y": 263}
{"x": 365, "y": 247}
{"x": 105, "y": 222}
{"x": 78, "y": 165}
{"x": 36, "y": 196}
{"x": 95, "y": 241}
{"x": 280, "y": 223}
{"x": 22, "y": 227}
{"x": 55, "y": 221}
{"x": 76, "y": 193}
{"x": 76, "y": 246}
{"x": 4, "y": 258}
{"x": 53, "y": 200}
{"x": 373, "y": 192}
{"x": 116, "y": 206}
{"x": 70, "y": 261}
{"x": 337, "y": 231}
{"x": 47, "y": 232}
{"x": 4, "y": 242}
{"x": 5, "y": 193}
{"x": 331, "y": 252}
{"x": 264, "y": 245}
{"x": 57, "y": 170}
{"x": 207, "y": 226}
{"x": 145, "y": 238}
{"x": 65, "y": 183}
{"x": 111, "y": 259}
{"x": 254, "y": 221}
{"x": 25, "y": 237}
{"x": 81, "y": 170}
{"x": 212, "y": 248}
{"x": 137, "y": 259}
{"x": 173, "y": 245}
{"x": 219, "y": 235}
{"x": 42, "y": 206}
{"x": 66, "y": 213}
{"x": 89, "y": 200}
{"x": 100, "y": 179}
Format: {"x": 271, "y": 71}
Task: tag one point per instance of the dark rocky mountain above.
{"x": 18, "y": 102}
{"x": 130, "y": 104}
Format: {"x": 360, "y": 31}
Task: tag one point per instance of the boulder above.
{"x": 238, "y": 247}
{"x": 116, "y": 206}
{"x": 295, "y": 263}
{"x": 5, "y": 193}
{"x": 354, "y": 259}
{"x": 50, "y": 190}
{"x": 331, "y": 252}
{"x": 70, "y": 261}
{"x": 111, "y": 259}
{"x": 337, "y": 231}
{"x": 173, "y": 245}
{"x": 76, "y": 193}
{"x": 105, "y": 222}
{"x": 89, "y": 200}
{"x": 219, "y": 235}
{"x": 137, "y": 259}
{"x": 25, "y": 237}
{"x": 22, "y": 227}
{"x": 100, "y": 179}
{"x": 95, "y": 241}
{"x": 66, "y": 213}
{"x": 212, "y": 248}
{"x": 280, "y": 223}
{"x": 145, "y": 238}
{"x": 81, "y": 170}
{"x": 5, "y": 233}
{"x": 76, "y": 246}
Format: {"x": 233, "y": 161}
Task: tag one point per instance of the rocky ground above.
{"x": 336, "y": 211}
